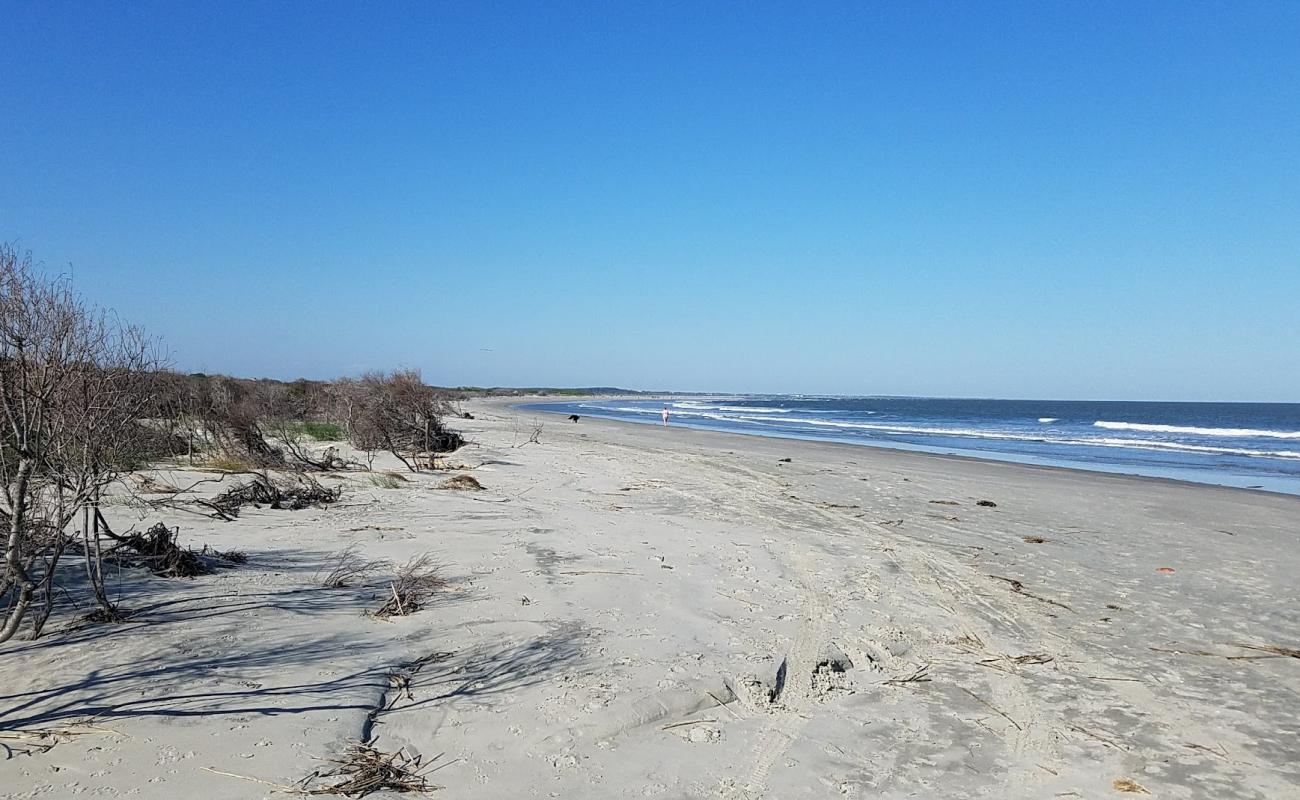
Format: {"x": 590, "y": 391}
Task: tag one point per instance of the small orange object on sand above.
{"x": 1164, "y": 569}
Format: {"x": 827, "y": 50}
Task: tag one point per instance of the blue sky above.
{"x": 1073, "y": 200}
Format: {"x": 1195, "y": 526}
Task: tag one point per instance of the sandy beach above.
{"x": 635, "y": 611}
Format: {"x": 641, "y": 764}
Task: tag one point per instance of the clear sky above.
{"x": 1073, "y": 200}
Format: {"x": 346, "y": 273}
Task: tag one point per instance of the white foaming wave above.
{"x": 688, "y": 405}
{"x": 656, "y": 412}
{"x": 1046, "y": 420}
{"x": 1145, "y": 428}
{"x": 736, "y": 409}
{"x": 1155, "y": 444}
{"x": 1141, "y": 444}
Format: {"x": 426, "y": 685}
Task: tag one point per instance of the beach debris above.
{"x": 1129, "y": 786}
{"x": 1035, "y": 539}
{"x": 32, "y": 741}
{"x": 294, "y": 493}
{"x": 467, "y": 415}
{"x": 413, "y": 584}
{"x": 348, "y": 567}
{"x": 1265, "y": 651}
{"x": 1271, "y": 651}
{"x": 992, "y": 707}
{"x": 462, "y": 483}
{"x": 986, "y": 503}
{"x": 920, "y": 675}
{"x": 944, "y": 503}
{"x": 784, "y": 460}
{"x": 1002, "y": 662}
{"x": 364, "y": 769}
{"x": 156, "y": 550}
{"x": 1164, "y": 570}
{"x": 1019, "y": 588}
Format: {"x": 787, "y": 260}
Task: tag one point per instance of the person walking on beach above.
{"x": 665, "y": 416}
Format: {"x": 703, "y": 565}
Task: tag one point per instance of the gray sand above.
{"x": 641, "y": 612}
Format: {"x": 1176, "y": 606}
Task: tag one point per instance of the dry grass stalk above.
{"x": 920, "y": 675}
{"x": 413, "y": 584}
{"x": 1271, "y": 651}
{"x": 1019, "y": 588}
{"x": 1129, "y": 786}
{"x": 349, "y": 568}
{"x": 386, "y": 480}
{"x": 364, "y": 769}
{"x": 39, "y": 740}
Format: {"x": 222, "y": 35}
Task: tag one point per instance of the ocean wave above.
{"x": 735, "y": 409}
{"x": 975, "y": 433}
{"x": 1046, "y": 420}
{"x": 1240, "y": 432}
{"x": 694, "y": 406}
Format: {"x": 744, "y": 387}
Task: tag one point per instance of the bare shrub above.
{"x": 73, "y": 384}
{"x": 156, "y": 550}
{"x": 349, "y": 568}
{"x": 414, "y": 583}
{"x": 395, "y": 412}
{"x": 292, "y": 493}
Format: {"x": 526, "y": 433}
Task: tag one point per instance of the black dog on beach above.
{"x": 573, "y": 418}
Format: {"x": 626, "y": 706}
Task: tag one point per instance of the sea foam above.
{"x": 1145, "y": 428}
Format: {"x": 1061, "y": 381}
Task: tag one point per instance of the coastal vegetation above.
{"x": 86, "y": 399}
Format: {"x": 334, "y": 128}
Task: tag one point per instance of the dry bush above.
{"x": 349, "y": 568}
{"x": 397, "y": 413}
{"x": 73, "y": 385}
{"x": 462, "y": 483}
{"x": 413, "y": 584}
{"x": 227, "y": 463}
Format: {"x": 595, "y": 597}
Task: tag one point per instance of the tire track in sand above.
{"x": 789, "y": 716}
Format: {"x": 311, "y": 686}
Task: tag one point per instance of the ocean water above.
{"x": 1249, "y": 445}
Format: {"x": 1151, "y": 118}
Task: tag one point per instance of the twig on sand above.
{"x": 1093, "y": 735}
{"x": 1019, "y": 588}
{"x": 1219, "y": 752}
{"x": 1270, "y": 650}
{"x": 921, "y": 675}
{"x": 992, "y": 708}
{"x": 277, "y": 786}
{"x": 595, "y": 572}
{"x": 1266, "y": 651}
{"x": 1003, "y": 661}
{"x": 739, "y": 600}
{"x": 688, "y": 722}
{"x": 40, "y": 740}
